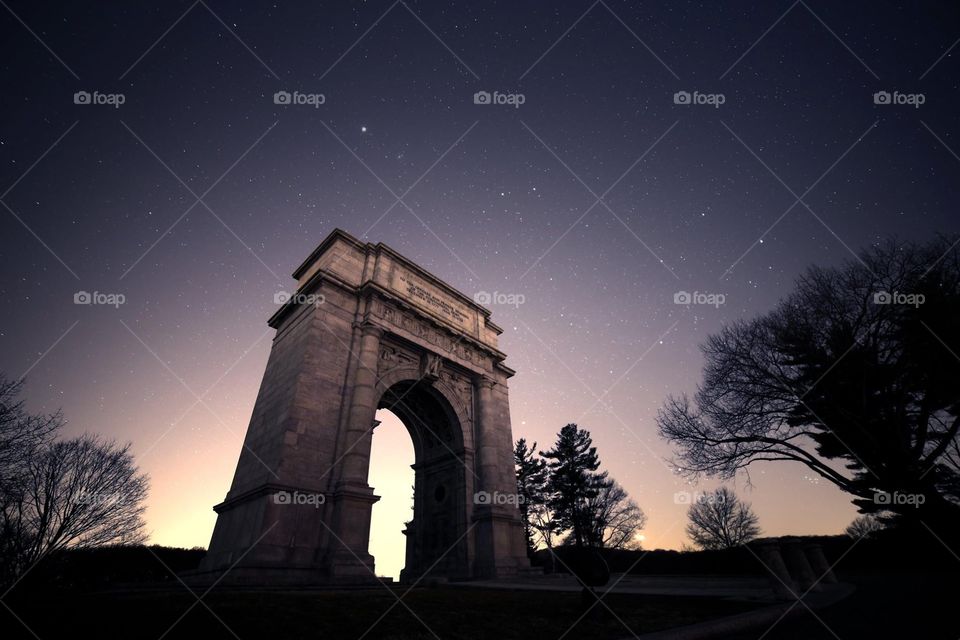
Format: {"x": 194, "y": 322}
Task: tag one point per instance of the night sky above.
{"x": 593, "y": 202}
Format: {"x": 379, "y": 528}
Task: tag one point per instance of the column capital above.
{"x": 369, "y": 328}
{"x": 483, "y": 381}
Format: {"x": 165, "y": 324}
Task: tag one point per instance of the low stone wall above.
{"x": 795, "y": 566}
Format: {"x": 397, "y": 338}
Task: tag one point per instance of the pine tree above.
{"x": 573, "y": 481}
{"x": 531, "y": 486}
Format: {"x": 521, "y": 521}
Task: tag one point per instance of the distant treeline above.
{"x": 110, "y": 567}
{"x": 887, "y": 553}
{"x": 120, "y": 566}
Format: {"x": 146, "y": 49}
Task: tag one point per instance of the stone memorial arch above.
{"x": 368, "y": 329}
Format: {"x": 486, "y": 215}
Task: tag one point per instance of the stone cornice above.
{"x": 380, "y": 247}
{"x": 262, "y": 490}
{"x": 324, "y": 245}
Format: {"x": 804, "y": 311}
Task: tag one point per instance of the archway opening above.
{"x": 392, "y": 478}
{"x": 433, "y": 534}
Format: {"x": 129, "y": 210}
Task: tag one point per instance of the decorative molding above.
{"x": 425, "y": 330}
{"x": 392, "y": 356}
{"x": 430, "y": 366}
{"x": 458, "y": 385}
{"x": 462, "y": 388}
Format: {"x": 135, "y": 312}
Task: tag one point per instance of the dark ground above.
{"x": 911, "y": 606}
{"x": 76, "y": 596}
{"x": 448, "y": 613}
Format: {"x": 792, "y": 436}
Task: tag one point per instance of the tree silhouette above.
{"x": 615, "y": 519}
{"x": 82, "y": 492}
{"x": 22, "y": 436}
{"x": 719, "y": 520}
{"x": 531, "y": 487}
{"x": 859, "y": 365}
{"x": 864, "y": 527}
{"x": 573, "y": 481}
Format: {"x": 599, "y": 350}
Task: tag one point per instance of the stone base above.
{"x": 346, "y": 568}
{"x": 501, "y": 551}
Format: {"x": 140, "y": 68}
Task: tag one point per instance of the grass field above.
{"x": 448, "y": 613}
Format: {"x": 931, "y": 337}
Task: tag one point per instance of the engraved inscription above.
{"x": 422, "y": 294}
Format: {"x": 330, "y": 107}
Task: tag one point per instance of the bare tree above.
{"x": 54, "y": 495}
{"x": 21, "y": 434}
{"x": 864, "y": 527}
{"x": 22, "y": 437}
{"x": 545, "y": 530}
{"x": 84, "y": 492}
{"x": 853, "y": 374}
{"x": 616, "y": 519}
{"x": 719, "y": 520}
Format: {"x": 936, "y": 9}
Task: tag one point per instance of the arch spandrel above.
{"x": 455, "y": 389}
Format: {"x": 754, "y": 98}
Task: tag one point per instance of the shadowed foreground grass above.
{"x": 442, "y": 612}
